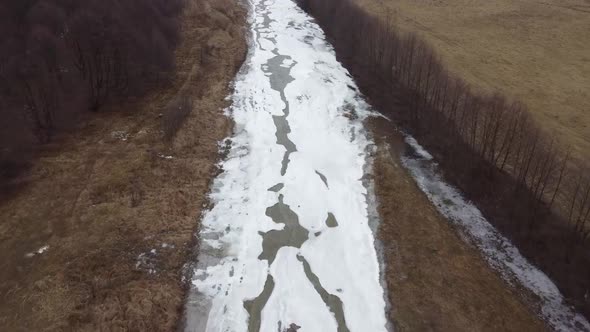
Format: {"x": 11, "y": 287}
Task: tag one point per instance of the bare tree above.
{"x": 56, "y": 55}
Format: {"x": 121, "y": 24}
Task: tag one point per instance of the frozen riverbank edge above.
{"x": 497, "y": 250}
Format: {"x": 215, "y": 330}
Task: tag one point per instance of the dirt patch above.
{"x": 116, "y": 205}
{"x": 436, "y": 281}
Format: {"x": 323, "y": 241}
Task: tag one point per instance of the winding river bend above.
{"x": 288, "y": 245}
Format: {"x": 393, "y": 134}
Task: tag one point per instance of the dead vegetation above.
{"x": 118, "y": 205}
{"x": 175, "y": 114}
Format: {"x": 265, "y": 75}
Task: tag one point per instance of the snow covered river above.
{"x": 288, "y": 245}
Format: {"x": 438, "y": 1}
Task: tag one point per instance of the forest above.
{"x": 60, "y": 59}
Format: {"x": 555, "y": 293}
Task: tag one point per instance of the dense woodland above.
{"x": 61, "y": 58}
{"x": 523, "y": 178}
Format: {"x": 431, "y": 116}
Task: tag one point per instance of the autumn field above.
{"x": 534, "y": 51}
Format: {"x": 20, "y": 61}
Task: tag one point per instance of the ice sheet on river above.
{"x": 288, "y": 239}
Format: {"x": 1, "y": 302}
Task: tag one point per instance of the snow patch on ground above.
{"x": 418, "y": 149}
{"x": 147, "y": 261}
{"x": 497, "y": 250}
{"x": 120, "y": 135}
{"x": 37, "y": 252}
{"x": 163, "y": 156}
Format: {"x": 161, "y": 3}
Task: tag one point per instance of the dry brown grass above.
{"x": 436, "y": 281}
{"x": 106, "y": 194}
{"x": 536, "y": 51}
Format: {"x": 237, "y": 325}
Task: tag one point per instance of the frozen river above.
{"x": 288, "y": 244}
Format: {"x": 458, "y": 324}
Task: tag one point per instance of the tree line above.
{"x": 59, "y": 58}
{"x": 489, "y": 141}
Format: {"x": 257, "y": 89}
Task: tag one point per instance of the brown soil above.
{"x": 105, "y": 195}
{"x": 436, "y": 281}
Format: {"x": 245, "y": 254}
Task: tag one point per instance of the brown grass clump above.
{"x": 175, "y": 114}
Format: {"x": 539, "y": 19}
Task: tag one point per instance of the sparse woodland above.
{"x": 523, "y": 179}
{"x": 60, "y": 58}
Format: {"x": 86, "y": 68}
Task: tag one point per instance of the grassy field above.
{"x": 535, "y": 51}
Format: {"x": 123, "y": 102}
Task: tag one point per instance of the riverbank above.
{"x": 97, "y": 237}
{"x": 436, "y": 280}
